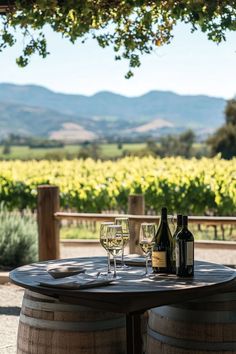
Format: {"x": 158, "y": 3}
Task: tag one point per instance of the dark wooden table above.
{"x": 132, "y": 294}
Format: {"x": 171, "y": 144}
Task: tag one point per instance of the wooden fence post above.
{"x": 136, "y": 206}
{"x": 48, "y": 226}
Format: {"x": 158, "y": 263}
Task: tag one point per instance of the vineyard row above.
{"x": 196, "y": 187}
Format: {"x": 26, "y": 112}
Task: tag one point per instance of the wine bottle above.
{"x": 184, "y": 251}
{"x": 177, "y": 230}
{"x": 162, "y": 247}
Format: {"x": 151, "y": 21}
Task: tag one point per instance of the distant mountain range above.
{"x": 35, "y": 110}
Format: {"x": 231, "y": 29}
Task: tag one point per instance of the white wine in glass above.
{"x": 114, "y": 242}
{"x": 124, "y": 223}
{"x": 146, "y": 246}
{"x": 103, "y": 241}
{"x": 147, "y": 233}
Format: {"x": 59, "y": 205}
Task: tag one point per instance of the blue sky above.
{"x": 189, "y": 65}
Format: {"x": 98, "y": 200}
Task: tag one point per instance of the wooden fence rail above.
{"x": 204, "y": 220}
{"x": 49, "y": 217}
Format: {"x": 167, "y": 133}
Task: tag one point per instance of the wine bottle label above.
{"x": 159, "y": 259}
{"x": 189, "y": 252}
{"x": 177, "y": 255}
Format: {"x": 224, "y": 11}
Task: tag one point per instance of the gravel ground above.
{"x": 10, "y": 305}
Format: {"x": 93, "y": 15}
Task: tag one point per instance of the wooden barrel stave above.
{"x": 48, "y": 326}
{"x": 202, "y": 326}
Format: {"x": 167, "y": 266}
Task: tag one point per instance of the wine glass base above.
{"x": 146, "y": 275}
{"x": 122, "y": 266}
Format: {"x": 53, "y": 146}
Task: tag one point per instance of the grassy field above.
{"x": 111, "y": 150}
{"x": 25, "y": 153}
{"x": 108, "y": 151}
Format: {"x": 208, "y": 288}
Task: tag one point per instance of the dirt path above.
{"x": 10, "y": 304}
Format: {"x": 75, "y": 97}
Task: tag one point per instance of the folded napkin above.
{"x": 64, "y": 270}
{"x": 81, "y": 281}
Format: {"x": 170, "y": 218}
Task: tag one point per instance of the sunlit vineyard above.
{"x": 206, "y": 186}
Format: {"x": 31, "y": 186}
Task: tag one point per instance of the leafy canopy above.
{"x": 132, "y": 27}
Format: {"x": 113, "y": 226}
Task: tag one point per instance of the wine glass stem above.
{"x": 114, "y": 276}
{"x": 122, "y": 257}
{"x": 108, "y": 263}
{"x": 146, "y": 264}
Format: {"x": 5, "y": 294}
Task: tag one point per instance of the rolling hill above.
{"x": 35, "y": 110}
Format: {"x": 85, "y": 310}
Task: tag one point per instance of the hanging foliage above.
{"x": 131, "y": 27}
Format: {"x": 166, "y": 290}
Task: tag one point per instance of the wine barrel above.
{"x": 48, "y": 326}
{"x": 203, "y": 326}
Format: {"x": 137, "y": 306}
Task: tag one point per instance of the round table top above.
{"x": 132, "y": 292}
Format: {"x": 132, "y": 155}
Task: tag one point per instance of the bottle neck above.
{"x": 164, "y": 220}
{"x": 163, "y": 215}
{"x": 185, "y": 222}
{"x": 179, "y": 221}
{"x": 163, "y": 224}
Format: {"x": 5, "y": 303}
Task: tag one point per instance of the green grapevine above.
{"x": 196, "y": 187}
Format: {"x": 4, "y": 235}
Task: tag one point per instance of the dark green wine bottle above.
{"x": 185, "y": 251}
{"x": 177, "y": 230}
{"x": 162, "y": 247}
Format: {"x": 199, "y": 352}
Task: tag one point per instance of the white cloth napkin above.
{"x": 81, "y": 281}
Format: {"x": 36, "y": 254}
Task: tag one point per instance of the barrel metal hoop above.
{"x": 89, "y": 326}
{"x": 196, "y": 316}
{"x": 57, "y": 306}
{"x": 194, "y": 345}
{"x": 39, "y": 296}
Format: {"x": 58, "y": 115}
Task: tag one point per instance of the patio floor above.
{"x": 10, "y": 304}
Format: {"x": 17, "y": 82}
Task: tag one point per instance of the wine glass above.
{"x": 146, "y": 240}
{"x": 114, "y": 242}
{"x": 171, "y": 222}
{"x": 124, "y": 223}
{"x": 103, "y": 241}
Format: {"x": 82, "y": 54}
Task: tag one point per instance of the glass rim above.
{"x": 115, "y": 226}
